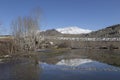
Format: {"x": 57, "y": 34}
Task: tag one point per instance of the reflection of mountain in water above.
{"x": 73, "y": 62}
{"x": 79, "y": 65}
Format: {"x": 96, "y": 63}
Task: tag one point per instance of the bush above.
{"x": 8, "y": 47}
{"x": 64, "y": 45}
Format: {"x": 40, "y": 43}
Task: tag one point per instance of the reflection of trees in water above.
{"x": 22, "y": 72}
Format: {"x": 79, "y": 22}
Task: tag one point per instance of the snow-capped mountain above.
{"x": 73, "y": 30}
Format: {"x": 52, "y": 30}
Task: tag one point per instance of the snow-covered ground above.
{"x": 73, "y": 30}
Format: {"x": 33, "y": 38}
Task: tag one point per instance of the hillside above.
{"x": 111, "y": 31}
{"x": 51, "y": 32}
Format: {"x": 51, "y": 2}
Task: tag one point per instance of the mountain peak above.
{"x": 73, "y": 30}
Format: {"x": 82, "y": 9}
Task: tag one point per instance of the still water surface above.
{"x": 68, "y": 66}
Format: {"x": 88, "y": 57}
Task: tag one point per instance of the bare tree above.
{"x": 24, "y": 31}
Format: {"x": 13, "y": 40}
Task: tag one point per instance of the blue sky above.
{"x": 88, "y": 14}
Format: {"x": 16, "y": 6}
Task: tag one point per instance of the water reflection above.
{"x": 76, "y": 69}
{"x": 73, "y": 62}
{"x": 105, "y": 56}
{"x": 19, "y": 72}
{"x": 71, "y": 65}
{"x": 79, "y": 64}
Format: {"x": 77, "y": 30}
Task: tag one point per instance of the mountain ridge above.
{"x": 110, "y": 31}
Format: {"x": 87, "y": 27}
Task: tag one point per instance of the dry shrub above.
{"x": 64, "y": 44}
{"x": 8, "y": 47}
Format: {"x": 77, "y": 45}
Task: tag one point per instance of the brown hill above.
{"x": 111, "y": 31}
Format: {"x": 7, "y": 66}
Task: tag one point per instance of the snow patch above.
{"x": 73, "y": 30}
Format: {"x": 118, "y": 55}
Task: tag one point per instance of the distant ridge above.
{"x": 51, "y": 32}
{"x": 110, "y": 31}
